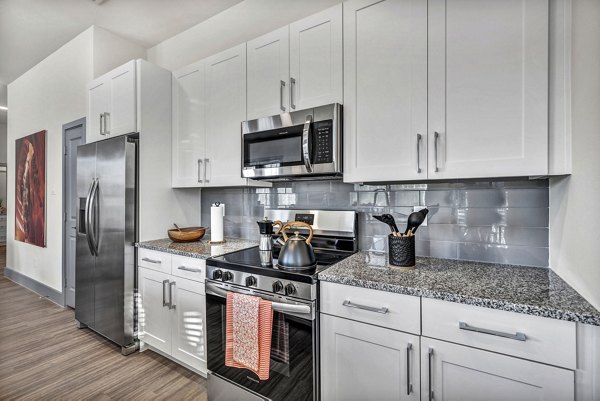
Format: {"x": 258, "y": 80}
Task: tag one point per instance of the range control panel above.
{"x": 323, "y": 141}
{"x": 275, "y": 285}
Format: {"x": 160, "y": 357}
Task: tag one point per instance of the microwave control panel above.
{"x": 323, "y": 141}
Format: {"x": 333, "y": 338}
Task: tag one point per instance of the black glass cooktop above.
{"x": 249, "y": 260}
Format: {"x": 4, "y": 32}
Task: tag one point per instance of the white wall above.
{"x": 238, "y": 24}
{"x": 575, "y": 200}
{"x": 44, "y": 98}
{"x": 47, "y": 96}
{"x": 111, "y": 50}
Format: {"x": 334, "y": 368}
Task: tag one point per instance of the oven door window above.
{"x": 274, "y": 148}
{"x": 291, "y": 366}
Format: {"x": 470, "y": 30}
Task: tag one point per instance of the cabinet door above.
{"x": 385, "y": 90}
{"x": 364, "y": 362}
{"x": 226, "y": 109}
{"x": 188, "y": 323}
{"x": 122, "y": 107}
{"x": 316, "y": 60}
{"x": 98, "y": 95}
{"x": 268, "y": 71}
{"x": 153, "y": 316}
{"x": 189, "y": 104}
{"x": 455, "y": 372}
{"x": 488, "y": 88}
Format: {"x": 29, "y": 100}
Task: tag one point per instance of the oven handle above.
{"x": 277, "y": 306}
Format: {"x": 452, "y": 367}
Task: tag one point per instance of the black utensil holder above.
{"x": 401, "y": 251}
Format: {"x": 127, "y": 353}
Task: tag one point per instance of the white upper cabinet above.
{"x": 316, "y": 60}
{"x": 98, "y": 95}
{"x": 112, "y": 103}
{"x": 296, "y": 67}
{"x": 470, "y": 79}
{"x": 225, "y": 111}
{"x": 189, "y": 131}
{"x": 268, "y": 74}
{"x": 122, "y": 117}
{"x": 488, "y": 88}
{"x": 385, "y": 90}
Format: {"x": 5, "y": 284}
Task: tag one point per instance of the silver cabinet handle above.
{"x": 206, "y": 173}
{"x": 517, "y": 336}
{"x": 383, "y": 310}
{"x": 292, "y": 86}
{"x": 409, "y": 388}
{"x": 419, "y": 137}
{"x": 281, "y": 86}
{"x": 101, "y": 122}
{"x": 190, "y": 269}
{"x": 436, "y": 136}
{"x": 171, "y": 290}
{"x": 430, "y": 356}
{"x": 306, "y": 143}
{"x": 165, "y": 303}
{"x": 151, "y": 260}
{"x": 106, "y": 119}
{"x": 200, "y": 170}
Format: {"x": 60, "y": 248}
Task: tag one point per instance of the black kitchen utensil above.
{"x": 389, "y": 220}
{"x": 415, "y": 219}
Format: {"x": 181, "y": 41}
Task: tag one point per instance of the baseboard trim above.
{"x": 35, "y": 286}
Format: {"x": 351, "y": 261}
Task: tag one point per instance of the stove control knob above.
{"x": 250, "y": 281}
{"x": 290, "y": 289}
{"x": 217, "y": 274}
{"x": 277, "y": 286}
{"x": 227, "y": 276}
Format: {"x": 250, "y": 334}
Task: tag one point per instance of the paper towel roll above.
{"x": 217, "y": 211}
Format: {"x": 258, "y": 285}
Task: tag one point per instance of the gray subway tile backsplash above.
{"x": 489, "y": 221}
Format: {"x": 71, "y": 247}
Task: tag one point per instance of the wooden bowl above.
{"x": 188, "y": 234}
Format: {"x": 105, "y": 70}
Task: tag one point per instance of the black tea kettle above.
{"x": 297, "y": 253}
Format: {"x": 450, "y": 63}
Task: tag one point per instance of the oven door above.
{"x": 293, "y": 366}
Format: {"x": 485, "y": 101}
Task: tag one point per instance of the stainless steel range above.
{"x": 294, "y": 365}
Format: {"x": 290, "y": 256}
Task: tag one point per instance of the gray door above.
{"x": 73, "y": 136}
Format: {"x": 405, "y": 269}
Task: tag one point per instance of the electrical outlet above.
{"x": 416, "y": 209}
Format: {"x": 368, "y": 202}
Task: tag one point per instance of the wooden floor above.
{"x": 43, "y": 356}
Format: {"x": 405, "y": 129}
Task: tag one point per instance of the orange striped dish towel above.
{"x": 249, "y": 323}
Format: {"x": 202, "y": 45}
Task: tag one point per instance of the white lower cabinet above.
{"x": 153, "y": 315}
{"x": 377, "y": 345}
{"x": 364, "y": 362}
{"x": 453, "y": 372}
{"x": 171, "y": 316}
{"x": 187, "y": 323}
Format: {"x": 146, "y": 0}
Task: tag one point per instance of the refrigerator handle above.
{"x": 92, "y": 217}
{"x": 86, "y": 221}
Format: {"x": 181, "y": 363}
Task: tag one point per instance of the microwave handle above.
{"x": 305, "y": 143}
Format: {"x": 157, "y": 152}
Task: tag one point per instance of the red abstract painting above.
{"x": 30, "y": 189}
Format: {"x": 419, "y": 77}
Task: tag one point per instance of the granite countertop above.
{"x": 200, "y": 249}
{"x": 529, "y": 290}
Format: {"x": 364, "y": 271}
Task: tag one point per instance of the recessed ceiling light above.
{"x": 3, "y": 108}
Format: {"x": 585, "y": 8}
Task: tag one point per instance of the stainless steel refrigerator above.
{"x": 106, "y": 234}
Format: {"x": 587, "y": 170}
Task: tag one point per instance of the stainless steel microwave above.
{"x": 304, "y": 144}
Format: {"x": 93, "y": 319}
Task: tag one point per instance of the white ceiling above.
{"x": 30, "y": 30}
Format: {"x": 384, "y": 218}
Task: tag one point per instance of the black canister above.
{"x": 402, "y": 251}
